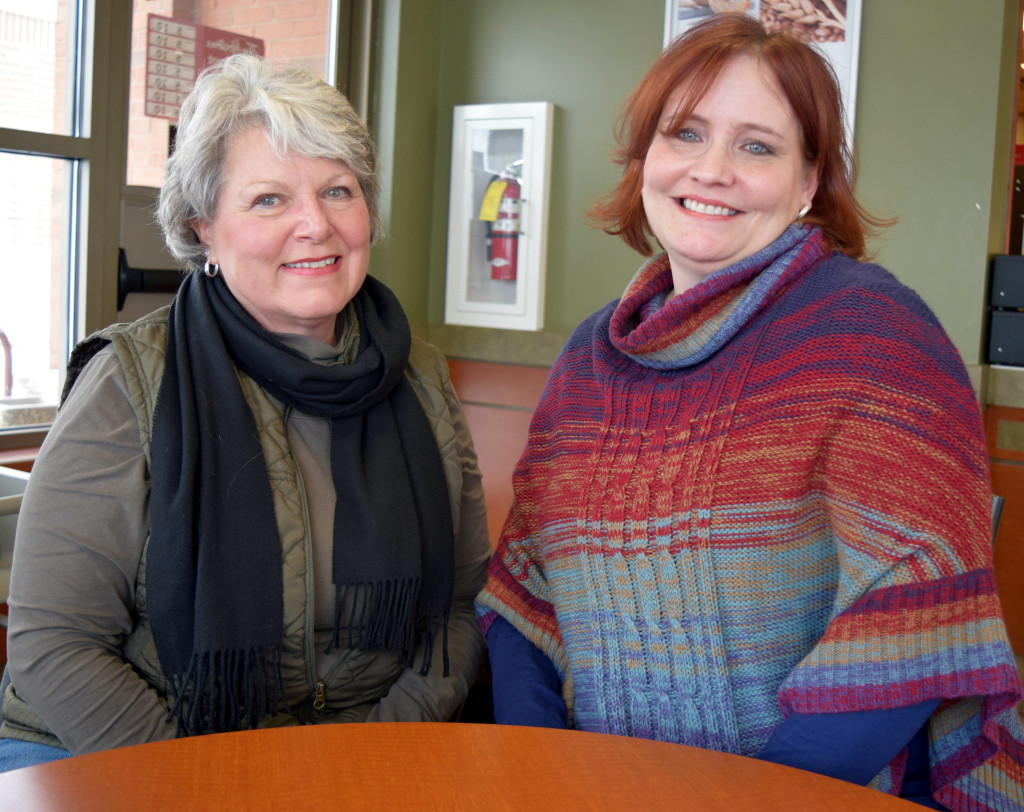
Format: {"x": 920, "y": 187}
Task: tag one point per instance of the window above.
{"x": 76, "y": 141}
{"x": 59, "y": 156}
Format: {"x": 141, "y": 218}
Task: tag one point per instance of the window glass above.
{"x": 33, "y": 302}
{"x": 34, "y": 65}
{"x": 171, "y": 45}
{"x": 36, "y": 95}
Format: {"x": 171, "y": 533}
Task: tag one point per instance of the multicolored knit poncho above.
{"x": 768, "y": 495}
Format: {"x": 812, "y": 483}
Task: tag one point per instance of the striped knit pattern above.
{"x": 781, "y": 507}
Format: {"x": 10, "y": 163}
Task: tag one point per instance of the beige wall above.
{"x": 934, "y": 128}
{"x": 582, "y": 57}
{"x": 935, "y": 131}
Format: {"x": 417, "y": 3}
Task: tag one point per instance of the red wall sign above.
{"x": 176, "y": 52}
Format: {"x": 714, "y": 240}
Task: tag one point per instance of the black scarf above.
{"x": 213, "y": 570}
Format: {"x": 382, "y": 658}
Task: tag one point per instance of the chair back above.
{"x": 997, "y": 514}
{"x": 12, "y": 485}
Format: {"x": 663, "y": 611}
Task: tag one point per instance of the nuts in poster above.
{"x": 729, "y": 5}
{"x": 809, "y": 20}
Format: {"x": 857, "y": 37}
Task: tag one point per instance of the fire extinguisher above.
{"x": 503, "y": 230}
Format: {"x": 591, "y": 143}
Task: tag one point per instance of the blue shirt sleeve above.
{"x": 854, "y": 746}
{"x": 527, "y": 688}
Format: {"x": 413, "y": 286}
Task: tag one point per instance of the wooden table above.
{"x": 424, "y": 767}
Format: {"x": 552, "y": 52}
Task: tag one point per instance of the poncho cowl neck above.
{"x": 693, "y": 325}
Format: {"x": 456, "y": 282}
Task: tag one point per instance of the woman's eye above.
{"x": 338, "y": 193}
{"x": 266, "y": 201}
{"x": 759, "y": 148}
{"x": 690, "y": 136}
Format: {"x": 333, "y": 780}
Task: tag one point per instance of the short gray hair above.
{"x": 301, "y": 114}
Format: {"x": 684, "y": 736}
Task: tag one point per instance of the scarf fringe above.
{"x": 223, "y": 691}
{"x": 383, "y": 618}
{"x": 436, "y": 622}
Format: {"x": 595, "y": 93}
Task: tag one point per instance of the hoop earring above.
{"x": 210, "y": 269}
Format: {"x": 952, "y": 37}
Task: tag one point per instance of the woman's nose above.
{"x": 312, "y": 222}
{"x": 713, "y": 165}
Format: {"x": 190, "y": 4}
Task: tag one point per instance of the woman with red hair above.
{"x": 753, "y": 510}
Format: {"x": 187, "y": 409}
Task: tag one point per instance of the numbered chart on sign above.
{"x": 176, "y": 52}
{"x": 170, "y": 66}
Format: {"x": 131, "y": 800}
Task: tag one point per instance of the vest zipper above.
{"x": 309, "y": 651}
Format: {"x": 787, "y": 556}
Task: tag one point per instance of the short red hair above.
{"x": 807, "y": 82}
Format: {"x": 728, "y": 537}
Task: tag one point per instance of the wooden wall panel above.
{"x": 500, "y": 437}
{"x": 507, "y": 386}
{"x": 498, "y": 400}
{"x": 1008, "y": 482}
{"x": 1004, "y": 430}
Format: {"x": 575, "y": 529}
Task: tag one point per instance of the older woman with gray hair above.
{"x": 259, "y": 505}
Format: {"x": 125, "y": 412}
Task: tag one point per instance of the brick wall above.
{"x": 292, "y": 30}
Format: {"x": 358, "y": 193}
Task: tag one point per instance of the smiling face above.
{"x": 731, "y": 179}
{"x": 291, "y": 236}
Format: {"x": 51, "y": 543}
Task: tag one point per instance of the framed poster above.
{"x": 832, "y": 26}
{"x": 497, "y": 215}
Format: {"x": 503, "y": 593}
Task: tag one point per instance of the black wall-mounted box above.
{"x": 1006, "y": 338}
{"x": 1007, "y": 281}
{"x": 1006, "y": 297}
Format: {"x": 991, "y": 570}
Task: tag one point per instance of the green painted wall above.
{"x": 435, "y": 54}
{"x": 584, "y": 58}
{"x": 935, "y": 130}
{"x": 404, "y": 120}
{"x": 933, "y": 127}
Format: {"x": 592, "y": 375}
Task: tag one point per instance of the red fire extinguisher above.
{"x": 503, "y": 232}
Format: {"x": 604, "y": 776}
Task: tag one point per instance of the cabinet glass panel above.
{"x": 498, "y": 215}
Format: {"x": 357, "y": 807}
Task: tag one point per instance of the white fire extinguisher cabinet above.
{"x": 497, "y": 215}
